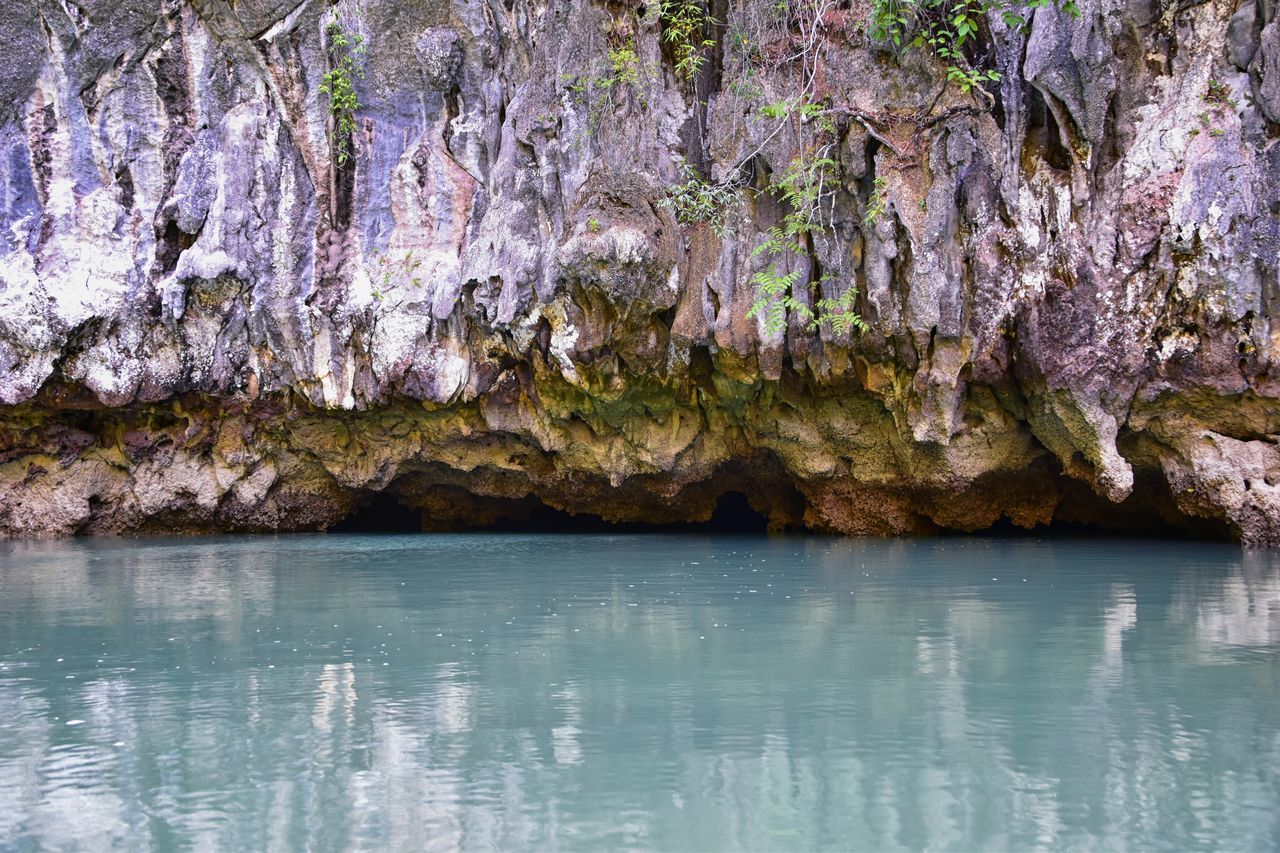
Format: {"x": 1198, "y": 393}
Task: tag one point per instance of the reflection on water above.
{"x": 674, "y": 692}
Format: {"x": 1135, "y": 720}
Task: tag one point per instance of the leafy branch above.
{"x": 803, "y": 186}
{"x": 949, "y": 28}
{"x": 684, "y": 27}
{"x": 346, "y": 58}
{"x": 695, "y": 200}
{"x": 877, "y": 204}
{"x": 626, "y": 73}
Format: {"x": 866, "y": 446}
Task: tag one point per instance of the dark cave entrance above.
{"x": 1150, "y": 512}
{"x": 1193, "y": 530}
{"x": 733, "y": 514}
{"x": 382, "y": 512}
{"x": 414, "y": 506}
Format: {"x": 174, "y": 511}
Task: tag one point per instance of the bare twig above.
{"x": 863, "y": 119}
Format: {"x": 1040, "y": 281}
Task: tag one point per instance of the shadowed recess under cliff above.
{"x": 198, "y": 466}
{"x": 1080, "y": 515}
{"x": 384, "y": 514}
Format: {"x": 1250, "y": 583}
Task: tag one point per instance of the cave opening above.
{"x": 380, "y": 512}
{"x": 403, "y": 508}
{"x": 1149, "y": 512}
{"x": 733, "y": 514}
{"x": 1197, "y": 530}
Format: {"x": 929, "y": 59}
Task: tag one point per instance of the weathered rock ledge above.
{"x": 207, "y": 323}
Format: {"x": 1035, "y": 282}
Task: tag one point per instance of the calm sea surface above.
{"x": 640, "y": 691}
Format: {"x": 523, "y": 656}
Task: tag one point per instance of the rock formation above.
{"x": 208, "y": 322}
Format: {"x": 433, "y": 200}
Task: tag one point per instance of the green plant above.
{"x": 685, "y": 26}
{"x": 746, "y": 87}
{"x": 696, "y": 200}
{"x": 594, "y": 226}
{"x": 952, "y": 30}
{"x": 624, "y": 66}
{"x": 740, "y": 42}
{"x": 600, "y": 91}
{"x": 876, "y": 202}
{"x": 395, "y": 271}
{"x": 1219, "y": 94}
{"x": 803, "y": 187}
{"x": 346, "y": 58}
{"x": 777, "y": 109}
{"x": 948, "y": 28}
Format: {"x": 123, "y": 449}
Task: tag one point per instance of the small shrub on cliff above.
{"x": 601, "y": 92}
{"x": 624, "y": 66}
{"x": 395, "y": 272}
{"x": 949, "y": 29}
{"x": 776, "y": 33}
{"x": 804, "y": 186}
{"x": 1219, "y": 93}
{"x": 807, "y": 184}
{"x": 877, "y": 204}
{"x": 346, "y": 58}
{"x": 685, "y": 26}
{"x": 695, "y": 200}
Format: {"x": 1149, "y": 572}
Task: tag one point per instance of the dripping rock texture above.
{"x": 208, "y": 323}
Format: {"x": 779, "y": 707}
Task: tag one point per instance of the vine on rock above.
{"x": 346, "y": 59}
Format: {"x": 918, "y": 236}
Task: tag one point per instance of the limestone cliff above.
{"x": 208, "y": 322}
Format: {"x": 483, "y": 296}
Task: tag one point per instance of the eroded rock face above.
{"x": 206, "y": 323}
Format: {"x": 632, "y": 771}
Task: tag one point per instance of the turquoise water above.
{"x": 638, "y": 692}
